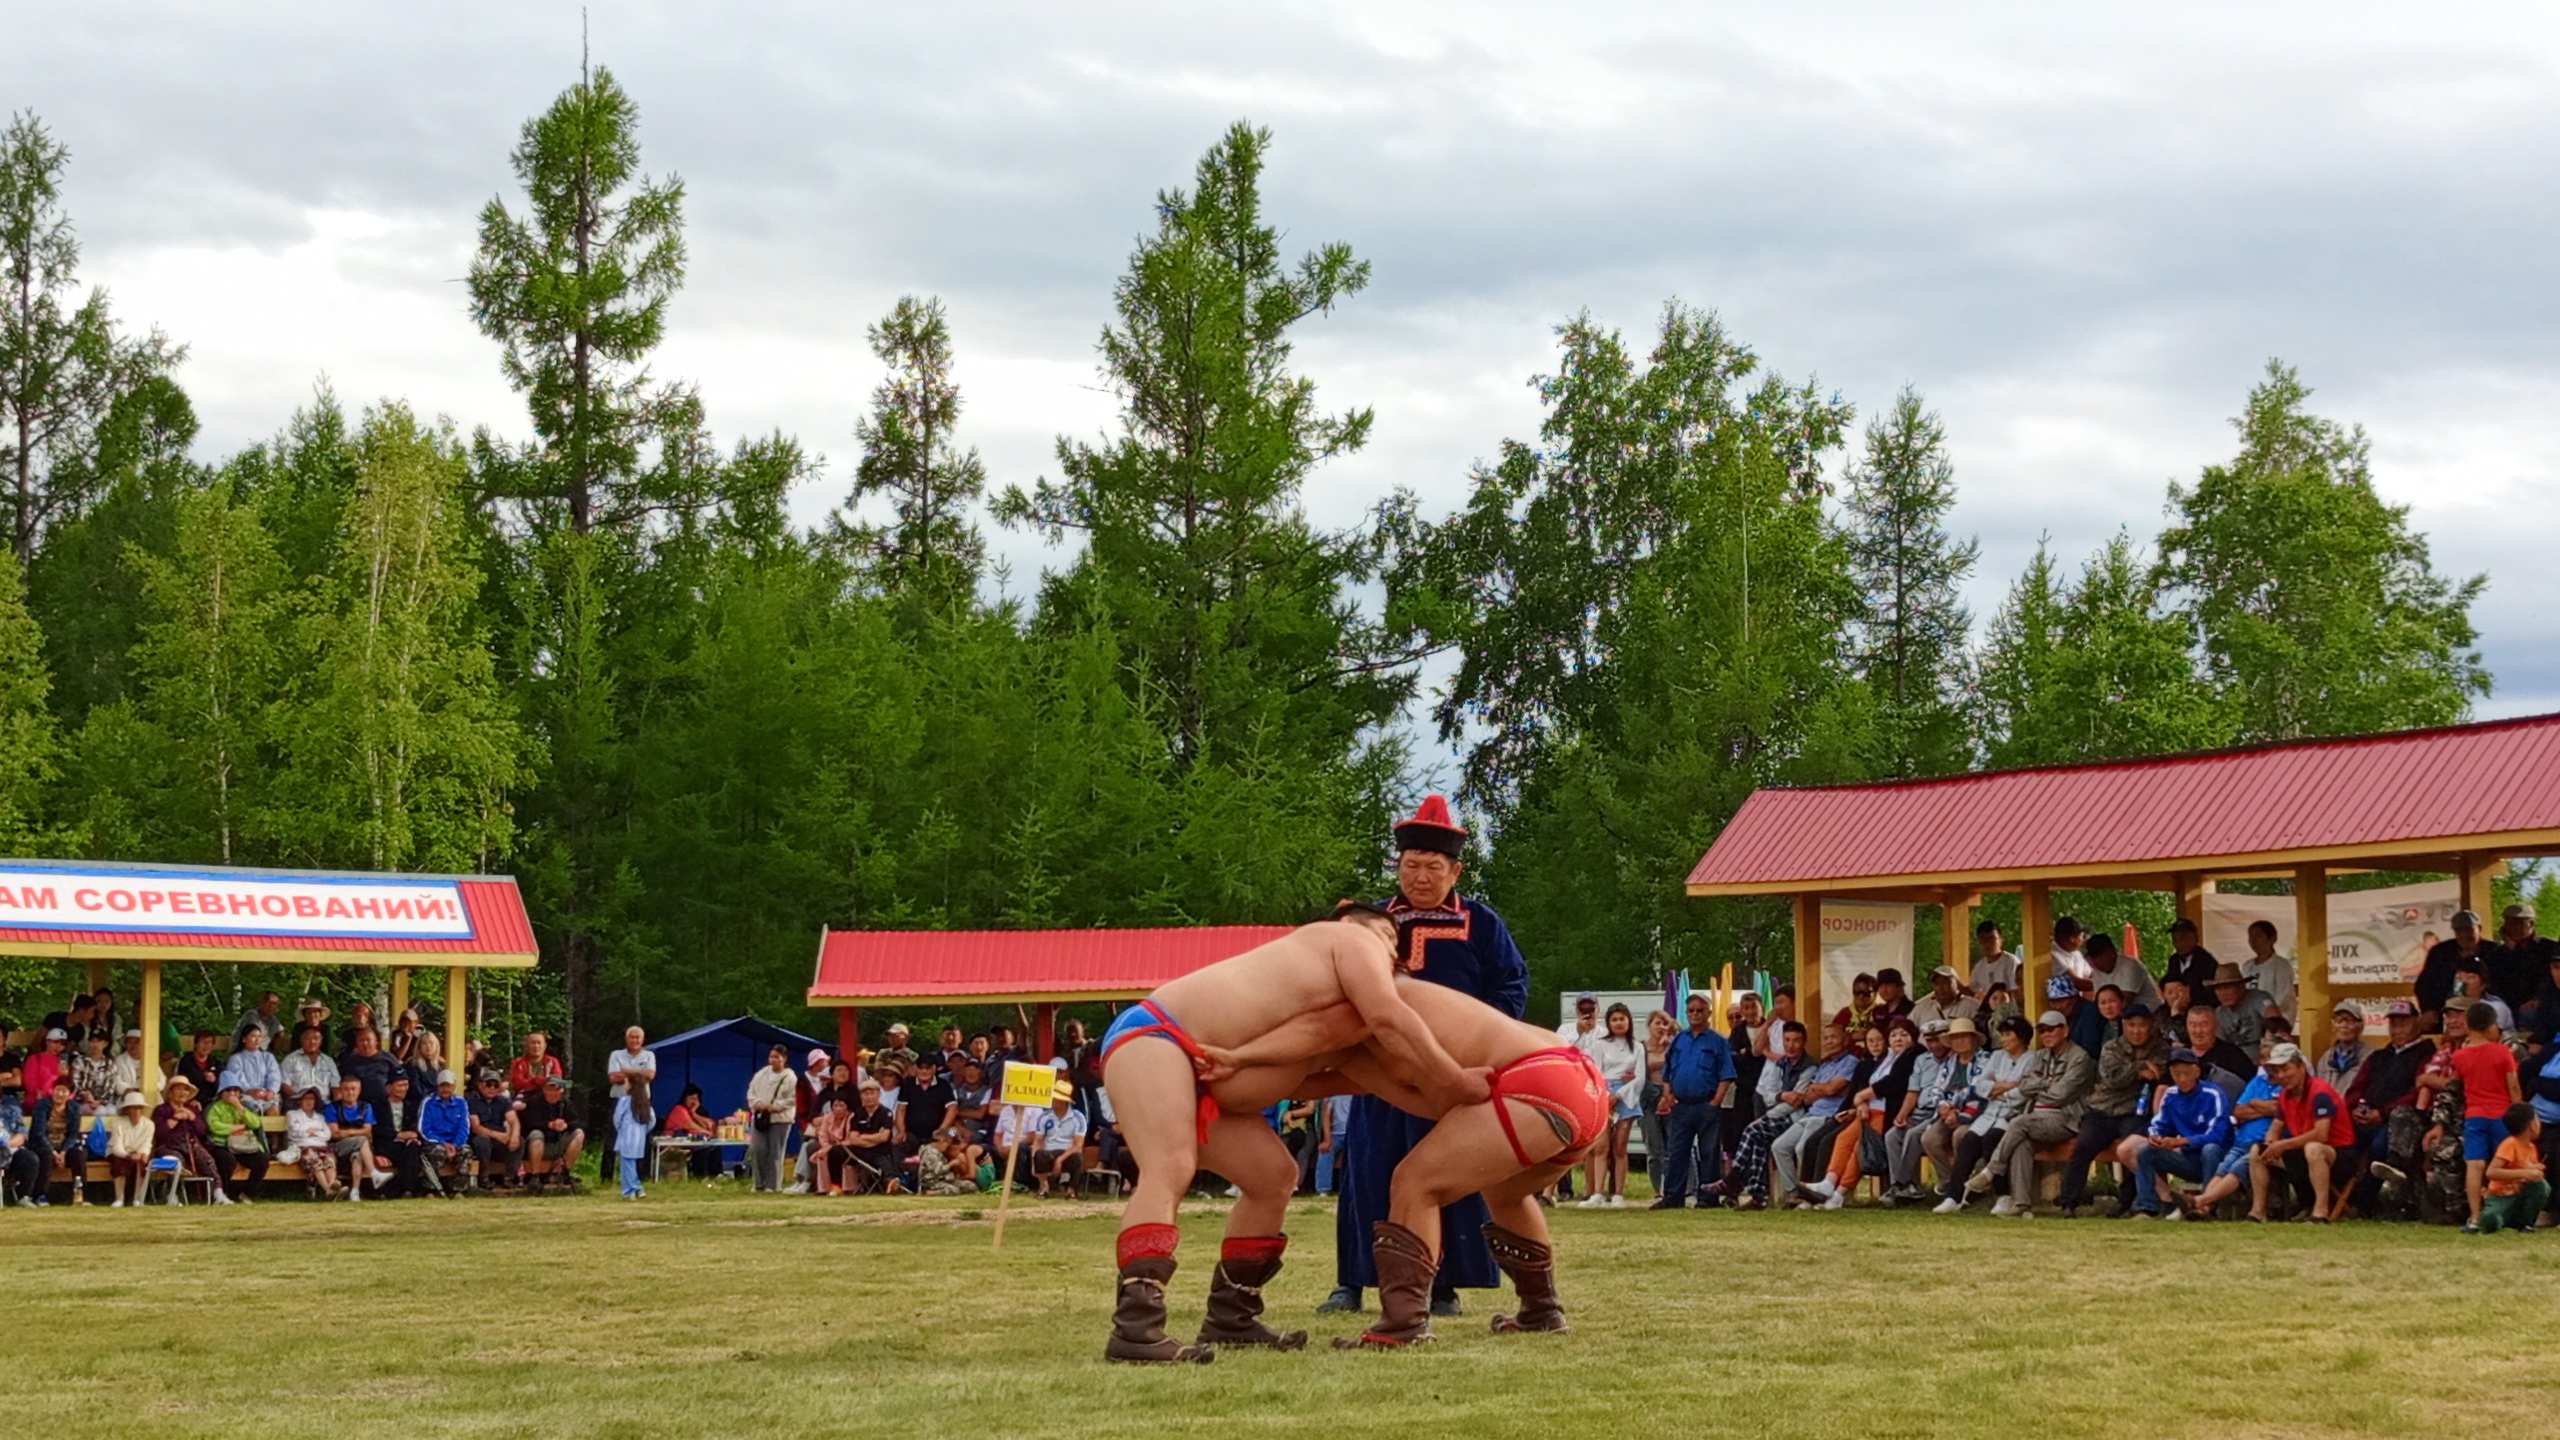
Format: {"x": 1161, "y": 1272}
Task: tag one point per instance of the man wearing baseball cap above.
{"x": 2051, "y": 1096}
{"x": 2435, "y": 983}
{"x": 2187, "y": 1137}
{"x": 2316, "y": 1129}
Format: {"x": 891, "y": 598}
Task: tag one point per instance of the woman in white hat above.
{"x": 178, "y": 1130}
{"x": 128, "y": 1147}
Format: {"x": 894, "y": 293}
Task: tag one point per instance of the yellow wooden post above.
{"x": 2477, "y": 897}
{"x": 457, "y": 995}
{"x": 97, "y": 976}
{"x": 2192, "y": 888}
{"x": 1809, "y": 967}
{"x": 2311, "y": 951}
{"x": 151, "y": 1031}
{"x": 2035, "y": 947}
{"x": 1956, "y": 945}
{"x": 399, "y": 996}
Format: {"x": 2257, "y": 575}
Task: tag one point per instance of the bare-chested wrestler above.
{"x": 1549, "y": 1104}
{"x": 1344, "y": 967}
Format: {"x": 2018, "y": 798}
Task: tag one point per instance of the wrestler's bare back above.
{"x": 1277, "y": 1064}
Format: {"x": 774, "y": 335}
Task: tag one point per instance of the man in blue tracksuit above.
{"x": 1697, "y": 1083}
{"x": 1462, "y": 944}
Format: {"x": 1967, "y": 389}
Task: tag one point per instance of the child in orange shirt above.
{"x": 2518, "y": 1188}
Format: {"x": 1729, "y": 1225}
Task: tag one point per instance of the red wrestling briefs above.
{"x": 1566, "y": 1090}
{"x": 1148, "y": 1018}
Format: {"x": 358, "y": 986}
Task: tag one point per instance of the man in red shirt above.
{"x": 2489, "y": 1085}
{"x": 526, "y": 1072}
{"x": 2312, "y": 1133}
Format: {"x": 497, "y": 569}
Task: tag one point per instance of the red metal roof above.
{"x": 2462, "y": 782}
{"x": 880, "y": 966}
{"x": 500, "y": 931}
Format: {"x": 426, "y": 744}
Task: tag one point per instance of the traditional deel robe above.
{"x": 1465, "y": 946}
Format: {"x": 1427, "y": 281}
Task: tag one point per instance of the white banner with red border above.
{"x": 177, "y": 902}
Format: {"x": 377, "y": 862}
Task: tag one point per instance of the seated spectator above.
{"x": 949, "y": 1165}
{"x": 2188, "y": 1136}
{"x": 424, "y": 1062}
{"x": 1893, "y": 997}
{"x": 1945, "y": 1001}
{"x": 1907, "y": 1132}
{"x": 809, "y": 1101}
{"x": 526, "y": 1072}
{"x": 308, "y": 1069}
{"x": 93, "y": 1076}
{"x": 239, "y": 1140}
{"x": 178, "y": 1131}
{"x": 21, "y": 1164}
{"x": 552, "y": 1138}
{"x": 2170, "y": 1015}
{"x": 1852, "y": 1018}
{"x": 402, "y": 1043}
{"x": 351, "y": 1123}
{"x": 2225, "y": 1064}
{"x": 2239, "y": 1011}
{"x": 253, "y": 1069}
{"x": 2471, "y": 988}
{"x": 201, "y": 1067}
{"x": 397, "y": 1139}
{"x": 895, "y": 1052}
{"x": 2191, "y": 966}
{"x": 973, "y": 1103}
{"x": 128, "y": 1145}
{"x": 873, "y": 1140}
{"x": 2490, "y": 1084}
{"x": 265, "y": 1017}
{"x": 685, "y": 1118}
{"x": 2342, "y": 1064}
{"x": 496, "y": 1139}
{"x": 2390, "y": 1123}
{"x": 309, "y": 1143}
{"x": 2253, "y": 1117}
{"x": 2312, "y": 1132}
{"x": 1808, "y": 1140}
{"x": 2518, "y": 1185}
{"x": 831, "y": 1146}
{"x": 2051, "y": 1093}
{"x": 1059, "y": 1155}
{"x": 50, "y": 1061}
{"x": 59, "y": 1134}
{"x": 1783, "y": 1098}
{"x": 2000, "y": 1005}
{"x": 127, "y": 1073}
{"x": 2133, "y": 1065}
{"x": 1993, "y": 1102}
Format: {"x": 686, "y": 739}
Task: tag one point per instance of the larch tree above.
{"x": 1912, "y": 636}
{"x": 930, "y": 550}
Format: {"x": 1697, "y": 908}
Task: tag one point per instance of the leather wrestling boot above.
{"x": 1245, "y": 1265}
{"x": 1531, "y": 1264}
{"x": 1137, "y": 1326}
{"x": 1405, "y": 1268}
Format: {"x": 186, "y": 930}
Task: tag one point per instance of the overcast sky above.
{"x": 2080, "y": 238}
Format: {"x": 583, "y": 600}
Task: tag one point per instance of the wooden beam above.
{"x": 150, "y": 1026}
{"x": 2192, "y": 888}
{"x": 399, "y": 997}
{"x": 1955, "y": 942}
{"x": 97, "y": 974}
{"x": 849, "y": 1035}
{"x": 2035, "y": 947}
{"x": 457, "y": 1018}
{"x": 2310, "y": 949}
{"x": 1809, "y": 964}
{"x": 1044, "y": 1032}
{"x": 2472, "y": 878}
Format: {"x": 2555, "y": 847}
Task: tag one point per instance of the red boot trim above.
{"x": 1148, "y": 1242}
{"x": 1253, "y": 1249}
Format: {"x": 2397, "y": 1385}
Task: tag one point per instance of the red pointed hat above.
{"x": 1432, "y": 828}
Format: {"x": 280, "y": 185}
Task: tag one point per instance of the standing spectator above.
{"x": 2434, "y": 985}
{"x": 59, "y": 1136}
{"x": 1060, "y": 1156}
{"x": 308, "y": 1142}
{"x": 1994, "y": 1102}
{"x": 895, "y": 1051}
{"x": 633, "y": 1069}
{"x": 351, "y": 1122}
{"x": 2190, "y": 964}
{"x": 93, "y": 1076}
{"x": 952, "y": 1052}
{"x": 2518, "y": 1184}
{"x": 1995, "y": 967}
{"x": 769, "y": 1116}
{"x": 809, "y": 1101}
{"x": 444, "y": 1126}
{"x": 2240, "y": 1010}
{"x": 103, "y": 1019}
{"x": 1583, "y": 1032}
{"x": 369, "y": 1065}
{"x": 398, "y": 1139}
{"x": 199, "y": 1065}
{"x": 497, "y": 1136}
{"x": 1620, "y": 1057}
{"x": 2267, "y": 972}
{"x": 1945, "y": 1001}
{"x": 254, "y": 1069}
{"x": 128, "y": 1145}
{"x": 238, "y": 1137}
{"x": 685, "y": 1117}
{"x": 1337, "y": 1122}
{"x": 2052, "y": 1093}
{"x": 526, "y": 1072}
{"x": 2130, "y": 1068}
{"x": 359, "y": 1019}
{"x": 2070, "y": 940}
{"x": 2316, "y": 1132}
{"x": 2189, "y": 1134}
{"x": 1751, "y": 1044}
{"x": 48, "y": 1063}
{"x": 2490, "y": 1084}
{"x": 264, "y": 1017}
{"x": 552, "y": 1137}
{"x": 2107, "y": 967}
{"x": 1658, "y": 1029}
{"x": 178, "y": 1131}
{"x": 2529, "y": 958}
{"x": 1697, "y": 1080}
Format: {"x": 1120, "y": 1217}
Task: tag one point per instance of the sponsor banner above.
{"x": 215, "y": 903}
{"x": 1859, "y": 937}
{"x": 2376, "y": 937}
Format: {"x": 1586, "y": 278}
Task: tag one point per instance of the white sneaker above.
{"x": 1835, "y": 1200}
{"x": 1617, "y": 1202}
{"x": 1592, "y": 1202}
{"x": 116, "y": 1204}
{"x": 355, "y": 1193}
{"x": 221, "y": 1197}
{"x": 1826, "y": 1187}
{"x": 2001, "y": 1209}
{"x": 1948, "y": 1207}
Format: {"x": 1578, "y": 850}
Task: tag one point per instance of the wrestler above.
{"x": 1342, "y": 967}
{"x": 1549, "y": 1105}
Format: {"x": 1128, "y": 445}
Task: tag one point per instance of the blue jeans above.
{"x": 2187, "y": 1162}
{"x": 630, "y": 1166}
{"x": 1692, "y": 1126}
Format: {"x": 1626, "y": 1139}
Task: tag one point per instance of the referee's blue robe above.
{"x": 1468, "y": 949}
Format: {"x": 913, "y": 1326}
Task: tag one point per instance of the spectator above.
{"x": 497, "y": 1137}
{"x": 2545, "y": 1096}
{"x": 895, "y": 1052}
{"x": 1993, "y": 1102}
{"x": 2106, "y": 967}
{"x": 2253, "y": 1117}
{"x": 809, "y": 1101}
{"x": 21, "y": 1164}
{"x": 1750, "y": 1045}
{"x": 1658, "y": 1030}
{"x": 1995, "y": 966}
{"x": 831, "y": 1145}
{"x": 1620, "y": 1057}
{"x": 973, "y": 1103}
{"x": 2316, "y": 1134}
{"x": 552, "y": 1138}
{"x": 125, "y": 1071}
{"x": 425, "y": 1062}
{"x": 2541, "y": 1017}
{"x": 1782, "y": 1100}
{"x": 527, "y": 1071}
{"x": 1950, "y": 1103}
{"x": 769, "y": 1116}
{"x": 1853, "y": 1017}
{"x": 1060, "y": 1153}
{"x": 2130, "y": 1068}
{"x": 128, "y": 1144}
{"x": 1807, "y": 1140}
{"x": 685, "y": 1118}
{"x": 2490, "y": 1084}
{"x": 315, "y": 1014}
{"x": 2225, "y": 1064}
{"x": 93, "y": 1076}
{"x": 351, "y": 1124}
{"x": 2052, "y": 1093}
{"x": 307, "y": 1069}
{"x": 2471, "y": 987}
{"x": 948, "y": 1165}
{"x": 402, "y": 1045}
{"x": 2434, "y": 985}
{"x": 46, "y": 1065}
{"x": 253, "y": 1068}
{"x": 1906, "y": 1135}
{"x": 178, "y": 1131}
{"x": 398, "y": 1138}
{"x": 632, "y": 1070}
{"x": 103, "y": 1018}
{"x": 2267, "y": 972}
{"x": 2529, "y": 960}
{"x": 1893, "y": 996}
{"x": 2081, "y": 1018}
{"x": 309, "y": 1143}
{"x": 2440, "y": 1094}
{"x": 238, "y": 1138}
{"x": 2190, "y": 964}
{"x": 2000, "y": 1005}
{"x": 952, "y": 1052}
{"x": 2517, "y": 1181}
{"x": 926, "y": 1100}
{"x": 2390, "y": 1124}
{"x": 58, "y": 1134}
{"x": 368, "y": 1064}
{"x": 2189, "y": 1134}
{"x": 1337, "y": 1125}
{"x": 2240, "y": 1010}
{"x": 1697, "y": 1080}
{"x": 2070, "y": 940}
{"x": 1945, "y": 1001}
{"x": 2344, "y": 1061}
{"x": 198, "y": 1064}
{"x": 444, "y": 1128}
{"x": 263, "y": 1017}
{"x": 2176, "y": 998}
{"x": 1858, "y": 1149}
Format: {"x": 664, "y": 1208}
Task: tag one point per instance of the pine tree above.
{"x": 30, "y": 746}
{"x": 2093, "y": 669}
{"x": 930, "y": 551}
{"x": 1912, "y": 638}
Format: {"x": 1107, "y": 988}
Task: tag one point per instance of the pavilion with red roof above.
{"x": 2460, "y": 799}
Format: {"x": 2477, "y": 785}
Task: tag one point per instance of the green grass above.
{"x": 713, "y": 1315}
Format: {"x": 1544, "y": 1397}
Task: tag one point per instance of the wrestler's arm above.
{"x": 1399, "y": 1035}
{"x": 1362, "y": 1072}
{"x": 1292, "y": 1042}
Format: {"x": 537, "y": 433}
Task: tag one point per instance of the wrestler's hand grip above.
{"x": 1473, "y": 1087}
{"x": 1213, "y": 1064}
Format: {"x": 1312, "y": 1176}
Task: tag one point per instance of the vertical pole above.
{"x": 97, "y": 976}
{"x": 849, "y": 1034}
{"x": 399, "y": 995}
{"x": 1004, "y": 1197}
{"x": 1956, "y": 945}
{"x": 457, "y": 1030}
{"x": 2311, "y": 949}
{"x": 1809, "y": 964}
{"x": 1044, "y": 1032}
{"x": 2035, "y": 947}
{"x": 2477, "y": 896}
{"x": 2192, "y": 888}
{"x": 150, "y": 1031}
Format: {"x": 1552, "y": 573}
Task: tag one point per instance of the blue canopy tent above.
{"x": 720, "y": 1057}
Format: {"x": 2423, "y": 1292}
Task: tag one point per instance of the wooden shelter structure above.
{"x": 2460, "y": 799}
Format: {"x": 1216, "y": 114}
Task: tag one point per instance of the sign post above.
{"x": 1028, "y": 1085}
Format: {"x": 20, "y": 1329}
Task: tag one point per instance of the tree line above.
{"x": 603, "y": 658}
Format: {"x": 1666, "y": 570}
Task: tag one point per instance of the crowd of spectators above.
{"x": 2199, "y": 1089}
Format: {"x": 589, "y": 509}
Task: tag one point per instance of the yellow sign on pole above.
{"x": 1028, "y": 1084}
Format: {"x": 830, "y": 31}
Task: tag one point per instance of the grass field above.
{"x": 699, "y": 1314}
